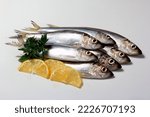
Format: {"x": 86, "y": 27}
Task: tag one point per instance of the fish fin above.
{"x": 21, "y": 34}
{"x": 85, "y": 75}
{"x": 15, "y": 44}
{"x": 18, "y": 56}
{"x": 51, "y": 25}
{"x": 30, "y": 29}
{"x": 17, "y": 31}
{"x": 35, "y": 27}
{"x": 14, "y": 37}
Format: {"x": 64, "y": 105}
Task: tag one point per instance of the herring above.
{"x": 118, "y": 55}
{"x": 124, "y": 44}
{"x": 70, "y": 54}
{"x": 92, "y": 71}
{"x": 102, "y": 37}
{"x": 66, "y": 38}
{"x": 106, "y": 60}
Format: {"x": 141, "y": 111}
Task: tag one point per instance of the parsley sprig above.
{"x": 34, "y": 48}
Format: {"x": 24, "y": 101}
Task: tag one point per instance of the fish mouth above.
{"x": 125, "y": 60}
{"x": 118, "y": 66}
{"x": 112, "y": 42}
{"x": 128, "y": 60}
{"x": 109, "y": 75}
{"x": 139, "y": 52}
{"x": 136, "y": 52}
{"x": 100, "y": 45}
{"x": 115, "y": 67}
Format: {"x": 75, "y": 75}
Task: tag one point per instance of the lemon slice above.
{"x": 61, "y": 73}
{"x": 68, "y": 76}
{"x": 52, "y": 69}
{"x": 74, "y": 77}
{"x": 53, "y": 65}
{"x": 35, "y": 66}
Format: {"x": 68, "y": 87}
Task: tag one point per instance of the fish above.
{"x": 66, "y": 38}
{"x": 92, "y": 71}
{"x": 99, "y": 35}
{"x": 116, "y": 54}
{"x": 104, "y": 36}
{"x": 70, "y": 54}
{"x": 123, "y": 43}
{"x": 106, "y": 60}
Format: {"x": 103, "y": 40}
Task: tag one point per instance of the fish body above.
{"x": 106, "y": 60}
{"x": 116, "y": 54}
{"x": 67, "y": 38}
{"x": 99, "y": 35}
{"x": 70, "y": 54}
{"x": 92, "y": 71}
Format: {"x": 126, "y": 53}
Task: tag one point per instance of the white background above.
{"x": 130, "y": 18}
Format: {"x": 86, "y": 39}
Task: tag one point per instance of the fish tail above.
{"x": 35, "y": 27}
{"x": 13, "y": 43}
{"x": 14, "y": 37}
{"x": 21, "y": 34}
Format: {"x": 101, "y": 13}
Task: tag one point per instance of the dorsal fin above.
{"x": 51, "y": 25}
{"x": 35, "y": 27}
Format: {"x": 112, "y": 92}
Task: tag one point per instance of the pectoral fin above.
{"x": 85, "y": 75}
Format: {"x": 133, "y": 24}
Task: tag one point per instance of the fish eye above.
{"x": 111, "y": 61}
{"x": 108, "y": 36}
{"x": 94, "y": 41}
{"x": 103, "y": 69}
{"x": 88, "y": 53}
{"x": 133, "y": 46}
{"x": 121, "y": 54}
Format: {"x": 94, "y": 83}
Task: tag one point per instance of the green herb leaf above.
{"x": 34, "y": 48}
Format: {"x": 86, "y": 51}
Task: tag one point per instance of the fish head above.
{"x": 101, "y": 72}
{"x": 109, "y": 62}
{"x": 120, "y": 56}
{"x": 90, "y": 42}
{"x": 87, "y": 55}
{"x": 131, "y": 48}
{"x": 104, "y": 38}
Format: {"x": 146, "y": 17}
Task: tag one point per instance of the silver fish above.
{"x": 107, "y": 61}
{"x": 70, "y": 54}
{"x": 66, "y": 38}
{"x": 123, "y": 44}
{"x": 118, "y": 55}
{"x": 92, "y": 71}
{"x": 102, "y": 37}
